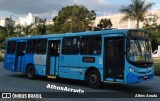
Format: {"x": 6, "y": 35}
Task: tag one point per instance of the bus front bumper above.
{"x": 133, "y": 78}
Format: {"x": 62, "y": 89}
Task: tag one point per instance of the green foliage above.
{"x": 70, "y": 19}
{"x": 151, "y": 25}
{"x": 151, "y": 22}
{"x": 156, "y": 66}
{"x": 18, "y": 30}
{"x": 50, "y": 29}
{"x": 1, "y": 58}
{"x": 27, "y": 30}
{"x": 136, "y": 10}
{"x": 2, "y": 39}
{"x": 41, "y": 28}
{"x": 104, "y": 24}
{"x": 73, "y": 19}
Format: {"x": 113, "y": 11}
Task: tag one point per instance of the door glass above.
{"x": 110, "y": 58}
{"x": 119, "y": 61}
{"x": 54, "y": 49}
{"x": 21, "y": 48}
{"x": 114, "y": 58}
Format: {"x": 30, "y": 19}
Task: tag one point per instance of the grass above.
{"x": 157, "y": 66}
{"x": 1, "y": 58}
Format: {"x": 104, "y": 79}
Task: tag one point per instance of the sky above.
{"x": 49, "y": 8}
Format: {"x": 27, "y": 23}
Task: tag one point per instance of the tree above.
{"x": 150, "y": 22}
{"x": 9, "y": 30}
{"x": 18, "y": 30}
{"x": 3, "y": 38}
{"x": 151, "y": 25}
{"x": 50, "y": 29}
{"x": 41, "y": 28}
{"x": 73, "y": 19}
{"x": 27, "y": 30}
{"x": 104, "y": 24}
{"x": 136, "y": 10}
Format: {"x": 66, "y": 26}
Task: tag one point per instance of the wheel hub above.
{"x": 93, "y": 78}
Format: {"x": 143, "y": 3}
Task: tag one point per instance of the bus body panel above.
{"x": 40, "y": 70}
{"x": 40, "y": 64}
{"x": 69, "y": 66}
{"x": 29, "y": 59}
{"x": 69, "y": 61}
{"x": 137, "y": 74}
{"x": 70, "y": 72}
{"x": 9, "y": 62}
{"x": 74, "y": 66}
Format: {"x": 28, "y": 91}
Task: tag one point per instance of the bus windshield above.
{"x": 139, "y": 50}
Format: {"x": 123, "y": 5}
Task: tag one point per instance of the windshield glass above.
{"x": 139, "y": 50}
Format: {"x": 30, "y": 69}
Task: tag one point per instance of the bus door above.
{"x": 20, "y": 53}
{"x": 53, "y": 57}
{"x": 114, "y": 59}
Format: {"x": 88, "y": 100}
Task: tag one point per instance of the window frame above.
{"x": 35, "y": 46}
{"x": 76, "y": 46}
{"x": 14, "y": 47}
{"x": 89, "y": 38}
{"x": 40, "y": 48}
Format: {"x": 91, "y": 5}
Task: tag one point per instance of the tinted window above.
{"x": 31, "y": 46}
{"x": 70, "y": 45}
{"x": 21, "y": 46}
{"x": 41, "y": 46}
{"x": 11, "y": 47}
{"x": 91, "y": 45}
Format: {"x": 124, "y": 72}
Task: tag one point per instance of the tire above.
{"x": 30, "y": 72}
{"x": 93, "y": 79}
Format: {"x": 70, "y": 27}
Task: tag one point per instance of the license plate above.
{"x": 145, "y": 77}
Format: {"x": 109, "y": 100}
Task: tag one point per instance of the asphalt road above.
{"x": 17, "y": 82}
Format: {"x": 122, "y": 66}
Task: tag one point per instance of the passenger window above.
{"x": 71, "y": 45}
{"x": 41, "y": 46}
{"x": 11, "y": 47}
{"x": 91, "y": 45}
{"x": 31, "y": 46}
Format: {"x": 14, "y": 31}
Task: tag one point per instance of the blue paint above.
{"x": 72, "y": 66}
{"x": 40, "y": 70}
{"x": 68, "y": 72}
{"x": 52, "y": 65}
{"x": 9, "y": 61}
{"x": 19, "y": 63}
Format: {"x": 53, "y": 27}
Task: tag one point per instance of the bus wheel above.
{"x": 93, "y": 79}
{"x": 30, "y": 72}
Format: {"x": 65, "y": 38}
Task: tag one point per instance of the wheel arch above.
{"x": 28, "y": 65}
{"x": 89, "y": 69}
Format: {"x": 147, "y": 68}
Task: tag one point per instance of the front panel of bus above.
{"x": 138, "y": 58}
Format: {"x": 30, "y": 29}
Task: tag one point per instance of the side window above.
{"x": 71, "y": 45}
{"x": 41, "y": 46}
{"x": 11, "y": 47}
{"x": 31, "y": 46}
{"x": 91, "y": 45}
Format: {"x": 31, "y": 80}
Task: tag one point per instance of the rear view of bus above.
{"x": 139, "y": 64}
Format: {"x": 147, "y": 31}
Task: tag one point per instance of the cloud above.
{"x": 50, "y": 8}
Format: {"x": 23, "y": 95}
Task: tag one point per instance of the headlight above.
{"x": 131, "y": 70}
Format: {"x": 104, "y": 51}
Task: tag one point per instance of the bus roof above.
{"x": 102, "y": 32}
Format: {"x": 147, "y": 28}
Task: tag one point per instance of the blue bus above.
{"x": 116, "y": 56}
